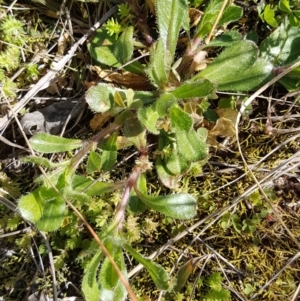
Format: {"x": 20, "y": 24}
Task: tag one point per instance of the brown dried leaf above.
{"x": 103, "y": 74}
{"x": 99, "y": 120}
{"x": 130, "y": 80}
{"x": 62, "y": 45}
{"x": 225, "y": 127}
{"x": 195, "y": 16}
{"x": 228, "y": 114}
{"x": 124, "y": 78}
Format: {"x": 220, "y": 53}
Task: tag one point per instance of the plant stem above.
{"x": 119, "y": 218}
{"x": 207, "y": 40}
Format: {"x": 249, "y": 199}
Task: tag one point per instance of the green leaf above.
{"x": 104, "y": 55}
{"x": 111, "y": 288}
{"x": 202, "y": 133}
{"x": 93, "y": 162}
{"x": 54, "y": 210}
{"x": 226, "y": 39}
{"x": 109, "y": 155}
{"x": 284, "y": 6}
{"x": 252, "y": 35}
{"x": 208, "y": 18}
{"x": 148, "y": 117}
{"x": 71, "y": 194}
{"x": 294, "y": 18}
{"x": 135, "y": 204}
{"x": 269, "y": 16}
{"x": 177, "y": 164}
{"x": 90, "y": 286}
{"x": 191, "y": 146}
{"x": 165, "y": 176}
{"x": 135, "y": 132}
{"x": 231, "y": 14}
{"x": 43, "y": 162}
{"x": 236, "y": 223}
{"x": 292, "y": 80}
{"x": 251, "y": 78}
{"x": 46, "y": 143}
{"x": 181, "y": 206}
{"x": 31, "y": 206}
{"x": 92, "y": 187}
{"x": 248, "y": 289}
{"x": 102, "y": 37}
{"x": 241, "y": 55}
{"x": 156, "y": 271}
{"x": 164, "y": 102}
{"x": 180, "y": 120}
{"x": 181, "y": 277}
{"x": 124, "y": 47}
{"x": 211, "y": 115}
{"x": 199, "y": 88}
{"x": 100, "y": 98}
{"x": 282, "y": 47}
{"x": 171, "y": 15}
{"x": 237, "y": 68}
{"x": 160, "y": 65}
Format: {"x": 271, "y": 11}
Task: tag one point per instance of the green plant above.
{"x": 114, "y": 26}
{"x": 14, "y": 38}
{"x": 164, "y": 124}
{"x": 273, "y": 14}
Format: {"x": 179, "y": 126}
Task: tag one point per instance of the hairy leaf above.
{"x": 191, "y": 146}
{"x": 93, "y": 187}
{"x": 43, "y": 161}
{"x": 165, "y": 176}
{"x": 90, "y": 286}
{"x": 231, "y": 14}
{"x": 180, "y": 120}
{"x": 164, "y": 102}
{"x": 135, "y": 132}
{"x": 171, "y": 16}
{"x": 181, "y": 206}
{"x": 111, "y": 287}
{"x": 199, "y": 88}
{"x": 208, "y": 18}
{"x": 159, "y": 66}
{"x": 124, "y": 46}
{"x": 240, "y": 56}
{"x": 237, "y": 68}
{"x": 177, "y": 164}
{"x": 156, "y": 271}
{"x": 104, "y": 55}
{"x": 282, "y": 47}
{"x": 148, "y": 117}
{"x": 251, "y": 78}
{"x": 31, "y": 206}
{"x": 54, "y": 210}
{"x": 226, "y": 39}
{"x": 46, "y": 143}
{"x": 100, "y": 98}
